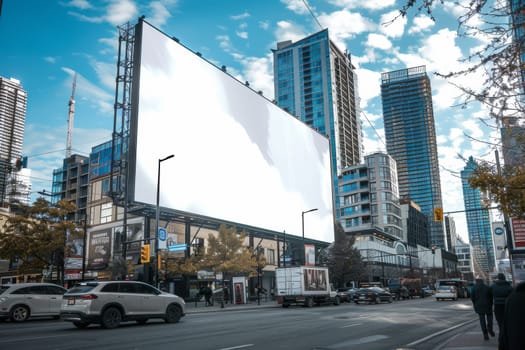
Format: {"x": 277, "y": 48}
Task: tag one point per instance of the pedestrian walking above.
{"x": 501, "y": 289}
{"x": 512, "y": 335}
{"x": 482, "y": 300}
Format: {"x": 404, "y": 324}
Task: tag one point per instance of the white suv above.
{"x": 20, "y": 301}
{"x": 109, "y": 303}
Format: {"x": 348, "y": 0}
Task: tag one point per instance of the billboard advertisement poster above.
{"x": 518, "y": 230}
{"x": 309, "y": 255}
{"x": 99, "y": 249}
{"x": 259, "y": 150}
{"x": 315, "y": 279}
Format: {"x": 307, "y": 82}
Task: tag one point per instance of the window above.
{"x": 270, "y": 256}
{"x": 105, "y": 212}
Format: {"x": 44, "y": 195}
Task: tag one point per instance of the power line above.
{"x": 312, "y": 13}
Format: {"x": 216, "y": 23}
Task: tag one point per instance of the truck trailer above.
{"x": 304, "y": 285}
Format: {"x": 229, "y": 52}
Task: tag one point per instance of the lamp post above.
{"x": 302, "y": 226}
{"x": 157, "y": 217}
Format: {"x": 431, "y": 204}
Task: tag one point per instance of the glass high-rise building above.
{"x": 316, "y": 82}
{"x": 411, "y": 140}
{"x": 478, "y": 223}
{"x": 13, "y": 103}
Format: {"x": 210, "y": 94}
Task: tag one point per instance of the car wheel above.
{"x": 19, "y": 313}
{"x": 356, "y": 302}
{"x": 337, "y": 301}
{"x": 173, "y": 314}
{"x": 390, "y": 300}
{"x": 80, "y": 324}
{"x": 111, "y": 318}
{"x": 142, "y": 321}
{"x": 378, "y": 300}
{"x": 286, "y": 305}
{"x": 309, "y": 302}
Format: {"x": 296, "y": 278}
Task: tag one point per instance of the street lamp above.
{"x": 157, "y": 217}
{"x": 302, "y": 222}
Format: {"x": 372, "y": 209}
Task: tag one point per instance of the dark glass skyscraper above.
{"x": 478, "y": 223}
{"x": 316, "y": 82}
{"x": 411, "y": 140}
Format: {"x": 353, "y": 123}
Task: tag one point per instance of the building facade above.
{"x": 316, "y": 82}
{"x": 464, "y": 253}
{"x": 411, "y": 140}
{"x": 450, "y": 229}
{"x": 71, "y": 182}
{"x": 478, "y": 223}
{"x": 415, "y": 224}
{"x": 13, "y": 103}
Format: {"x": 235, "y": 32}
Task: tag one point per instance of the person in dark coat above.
{"x": 482, "y": 300}
{"x": 512, "y": 336}
{"x": 501, "y": 289}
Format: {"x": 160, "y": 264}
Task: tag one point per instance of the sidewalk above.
{"x": 199, "y": 307}
{"x": 470, "y": 339}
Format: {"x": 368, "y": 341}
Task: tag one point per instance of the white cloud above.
{"x": 242, "y": 35}
{"x": 422, "y": 23}
{"x": 289, "y": 31}
{"x": 81, "y": 4}
{"x": 296, "y": 6}
{"x": 264, "y": 25}
{"x": 367, "y": 4}
{"x": 159, "y": 13}
{"x": 345, "y": 25}
{"x": 120, "y": 12}
{"x": 378, "y": 41}
{"x": 258, "y": 71}
{"x": 50, "y": 59}
{"x": 369, "y": 85}
{"x": 240, "y": 16}
{"x": 392, "y": 25}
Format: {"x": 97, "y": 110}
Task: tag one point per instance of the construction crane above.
{"x": 71, "y": 118}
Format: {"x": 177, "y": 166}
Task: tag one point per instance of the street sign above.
{"x": 162, "y": 235}
{"x": 177, "y": 247}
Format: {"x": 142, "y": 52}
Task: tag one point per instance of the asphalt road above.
{"x": 409, "y": 324}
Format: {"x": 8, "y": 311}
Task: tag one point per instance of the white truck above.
{"x": 304, "y": 285}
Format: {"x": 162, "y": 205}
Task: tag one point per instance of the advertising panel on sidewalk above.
{"x": 518, "y": 230}
{"x": 99, "y": 249}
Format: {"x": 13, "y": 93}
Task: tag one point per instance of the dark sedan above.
{"x": 372, "y": 295}
{"x": 346, "y": 294}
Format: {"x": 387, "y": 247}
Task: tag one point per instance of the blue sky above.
{"x": 44, "y": 42}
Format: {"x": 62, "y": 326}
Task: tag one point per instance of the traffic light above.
{"x": 144, "y": 254}
{"x": 438, "y": 214}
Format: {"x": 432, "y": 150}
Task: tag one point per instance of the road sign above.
{"x": 162, "y": 235}
{"x": 177, "y": 247}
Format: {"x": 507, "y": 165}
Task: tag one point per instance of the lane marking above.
{"x": 439, "y": 333}
{"x": 352, "y": 325}
{"x": 238, "y": 347}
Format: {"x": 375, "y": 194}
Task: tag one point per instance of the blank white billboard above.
{"x": 237, "y": 156}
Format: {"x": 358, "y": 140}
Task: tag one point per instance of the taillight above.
{"x": 88, "y": 297}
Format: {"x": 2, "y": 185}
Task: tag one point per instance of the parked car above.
{"x": 446, "y": 292}
{"x": 20, "y": 301}
{"x": 427, "y": 291}
{"x": 346, "y": 294}
{"x": 109, "y": 303}
{"x": 373, "y": 295}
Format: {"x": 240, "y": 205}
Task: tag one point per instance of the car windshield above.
{"x": 376, "y": 289}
